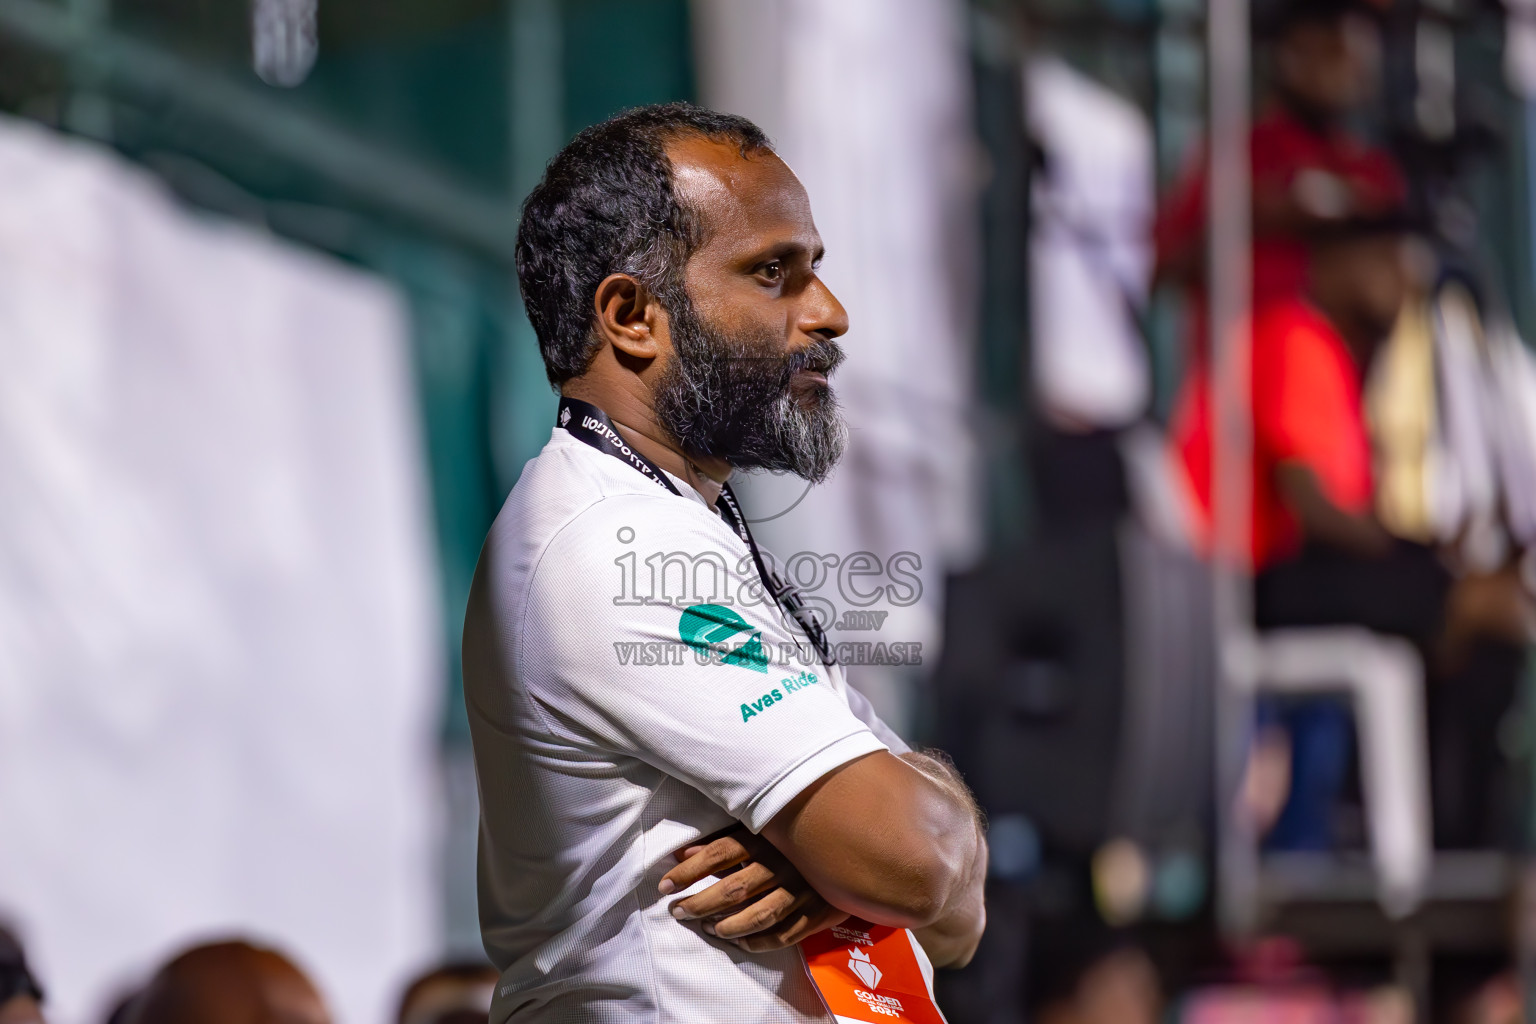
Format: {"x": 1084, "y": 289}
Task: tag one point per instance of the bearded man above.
{"x": 651, "y": 706}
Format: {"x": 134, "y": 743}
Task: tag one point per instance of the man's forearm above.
{"x": 1323, "y": 521}
{"x": 890, "y": 839}
{"x": 951, "y": 940}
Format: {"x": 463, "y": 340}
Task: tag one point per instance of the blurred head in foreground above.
{"x": 1327, "y": 56}
{"x": 229, "y": 983}
{"x": 452, "y": 994}
{"x": 21, "y": 997}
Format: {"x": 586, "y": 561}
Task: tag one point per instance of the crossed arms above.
{"x": 896, "y": 840}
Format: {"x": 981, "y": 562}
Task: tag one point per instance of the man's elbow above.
{"x": 882, "y": 839}
{"x": 917, "y": 890}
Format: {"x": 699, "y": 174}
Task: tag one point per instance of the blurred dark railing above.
{"x": 387, "y": 181}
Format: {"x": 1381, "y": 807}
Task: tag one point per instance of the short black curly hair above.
{"x": 606, "y": 205}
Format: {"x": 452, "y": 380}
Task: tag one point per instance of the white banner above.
{"x": 219, "y": 664}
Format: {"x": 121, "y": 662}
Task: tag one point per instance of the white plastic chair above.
{"x": 1384, "y": 680}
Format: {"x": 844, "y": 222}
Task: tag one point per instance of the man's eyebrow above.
{"x": 786, "y": 250}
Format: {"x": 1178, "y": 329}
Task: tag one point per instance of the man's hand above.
{"x": 761, "y": 904}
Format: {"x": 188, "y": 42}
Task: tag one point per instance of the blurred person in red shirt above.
{"x": 1309, "y": 170}
{"x": 1311, "y": 450}
{"x": 1319, "y": 554}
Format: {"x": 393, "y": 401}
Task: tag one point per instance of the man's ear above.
{"x": 626, "y": 316}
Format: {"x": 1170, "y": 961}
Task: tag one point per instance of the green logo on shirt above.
{"x": 709, "y": 627}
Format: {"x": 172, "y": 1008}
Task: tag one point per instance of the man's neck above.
{"x": 1317, "y": 120}
{"x": 635, "y": 420}
{"x": 1359, "y": 340}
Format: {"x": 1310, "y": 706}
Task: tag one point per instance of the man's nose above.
{"x": 822, "y": 315}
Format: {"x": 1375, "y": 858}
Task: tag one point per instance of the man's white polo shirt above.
{"x": 617, "y": 717}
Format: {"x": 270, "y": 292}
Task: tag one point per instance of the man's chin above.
{"x": 809, "y": 470}
{"x": 803, "y": 437}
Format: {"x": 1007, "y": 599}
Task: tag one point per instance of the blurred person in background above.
{"x": 229, "y": 983}
{"x": 456, "y": 993}
{"x": 1108, "y": 981}
{"x": 1319, "y": 554}
{"x": 1327, "y": 290}
{"x": 1309, "y": 170}
{"x": 21, "y": 997}
{"x": 1091, "y": 199}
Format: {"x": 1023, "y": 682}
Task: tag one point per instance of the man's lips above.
{"x": 811, "y": 376}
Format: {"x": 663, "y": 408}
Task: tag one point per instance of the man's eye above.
{"x": 772, "y": 270}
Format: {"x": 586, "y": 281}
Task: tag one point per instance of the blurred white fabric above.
{"x": 1091, "y": 250}
{"x": 1465, "y": 483}
{"x": 219, "y": 658}
{"x": 1520, "y": 49}
{"x": 1512, "y": 376}
{"x": 1487, "y": 485}
{"x": 869, "y": 102}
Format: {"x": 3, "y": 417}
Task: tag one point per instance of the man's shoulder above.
{"x": 565, "y": 468}
{"x": 1294, "y": 326}
{"x": 1301, "y": 364}
{"x": 565, "y": 479}
{"x": 576, "y": 509}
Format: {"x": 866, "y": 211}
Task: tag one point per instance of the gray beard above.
{"x": 730, "y": 397}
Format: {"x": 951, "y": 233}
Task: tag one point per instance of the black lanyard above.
{"x": 591, "y": 426}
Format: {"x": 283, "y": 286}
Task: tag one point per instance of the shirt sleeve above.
{"x": 865, "y": 712}
{"x": 1307, "y": 409}
{"x": 691, "y": 671}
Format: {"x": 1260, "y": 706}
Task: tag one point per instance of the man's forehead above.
{"x": 742, "y": 199}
